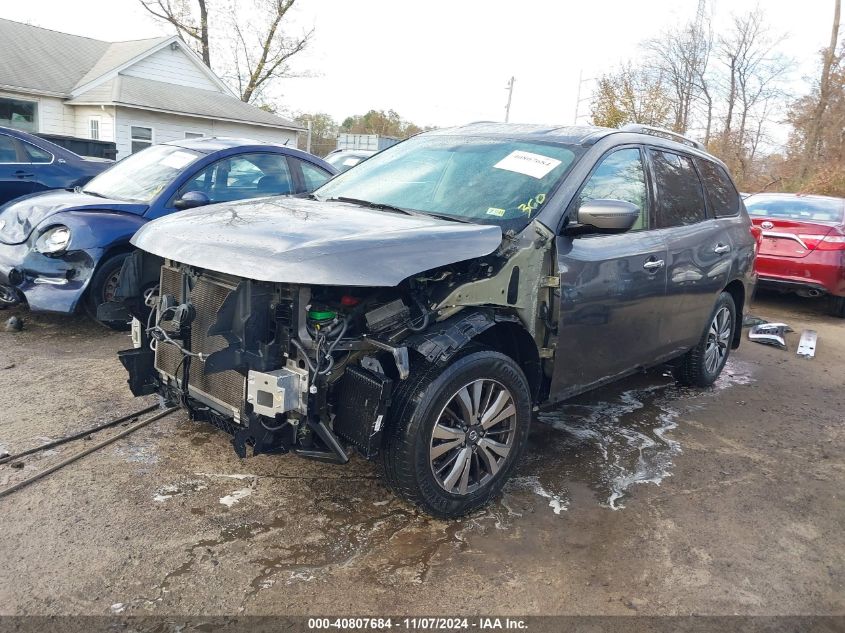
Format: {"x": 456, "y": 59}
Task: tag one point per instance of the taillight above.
{"x": 757, "y": 233}
{"x": 831, "y": 242}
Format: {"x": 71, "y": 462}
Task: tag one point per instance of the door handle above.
{"x": 654, "y": 264}
{"x": 22, "y": 174}
{"x": 721, "y": 249}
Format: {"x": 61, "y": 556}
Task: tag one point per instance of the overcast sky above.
{"x": 444, "y": 62}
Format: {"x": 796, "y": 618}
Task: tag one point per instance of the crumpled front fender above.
{"x": 49, "y": 284}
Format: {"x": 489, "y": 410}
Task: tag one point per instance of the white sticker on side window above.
{"x": 534, "y": 165}
{"x": 177, "y": 160}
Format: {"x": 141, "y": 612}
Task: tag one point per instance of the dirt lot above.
{"x": 639, "y": 498}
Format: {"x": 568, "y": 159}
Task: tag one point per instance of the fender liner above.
{"x": 443, "y": 340}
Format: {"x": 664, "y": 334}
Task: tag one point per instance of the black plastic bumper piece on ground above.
{"x": 140, "y": 363}
{"x": 113, "y": 311}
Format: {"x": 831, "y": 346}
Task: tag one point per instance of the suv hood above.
{"x": 20, "y": 217}
{"x": 295, "y": 240}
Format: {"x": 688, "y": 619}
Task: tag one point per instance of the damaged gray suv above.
{"x": 419, "y": 308}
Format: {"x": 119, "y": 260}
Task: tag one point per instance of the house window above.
{"x": 21, "y": 115}
{"x": 142, "y": 138}
{"x": 193, "y": 135}
{"x": 94, "y": 128}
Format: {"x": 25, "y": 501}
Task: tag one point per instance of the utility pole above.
{"x": 308, "y": 138}
{"x": 509, "y": 88}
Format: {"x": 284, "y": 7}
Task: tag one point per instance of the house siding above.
{"x": 83, "y": 116}
{"x": 172, "y": 127}
{"x": 172, "y": 67}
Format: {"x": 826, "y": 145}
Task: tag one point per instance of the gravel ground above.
{"x": 640, "y": 498}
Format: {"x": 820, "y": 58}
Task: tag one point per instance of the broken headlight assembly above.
{"x": 53, "y": 241}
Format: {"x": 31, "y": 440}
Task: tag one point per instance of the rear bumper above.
{"x": 820, "y": 271}
{"x": 47, "y": 284}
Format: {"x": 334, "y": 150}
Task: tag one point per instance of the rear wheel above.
{"x": 102, "y": 288}
{"x": 836, "y": 307}
{"x": 701, "y": 366}
{"x": 457, "y": 432}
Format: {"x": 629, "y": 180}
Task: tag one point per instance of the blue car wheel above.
{"x": 102, "y": 287}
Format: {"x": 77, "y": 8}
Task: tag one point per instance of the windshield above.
{"x": 142, "y": 176}
{"x": 797, "y": 208}
{"x": 478, "y": 179}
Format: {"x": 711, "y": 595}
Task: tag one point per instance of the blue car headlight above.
{"x": 53, "y": 241}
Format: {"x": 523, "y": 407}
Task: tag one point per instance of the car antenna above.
{"x": 776, "y": 180}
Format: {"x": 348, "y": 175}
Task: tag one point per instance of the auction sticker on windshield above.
{"x": 534, "y": 165}
{"x": 177, "y": 160}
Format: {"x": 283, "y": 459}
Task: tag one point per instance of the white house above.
{"x": 134, "y": 93}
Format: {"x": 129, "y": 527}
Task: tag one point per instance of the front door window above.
{"x": 619, "y": 176}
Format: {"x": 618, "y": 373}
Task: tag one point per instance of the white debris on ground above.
{"x": 234, "y": 497}
{"x": 174, "y": 490}
{"x": 118, "y": 607}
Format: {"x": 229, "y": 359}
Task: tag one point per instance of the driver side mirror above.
{"x": 608, "y": 215}
{"x": 192, "y": 199}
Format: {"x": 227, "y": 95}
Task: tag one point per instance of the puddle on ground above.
{"x": 617, "y": 437}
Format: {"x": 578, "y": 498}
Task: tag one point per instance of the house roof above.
{"x": 148, "y": 94}
{"x": 27, "y": 61}
{"x": 86, "y": 71}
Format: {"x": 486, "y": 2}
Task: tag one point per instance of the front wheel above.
{"x": 457, "y": 432}
{"x": 836, "y": 307}
{"x": 102, "y": 288}
{"x": 701, "y": 366}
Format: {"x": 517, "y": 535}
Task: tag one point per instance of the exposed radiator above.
{"x": 208, "y": 294}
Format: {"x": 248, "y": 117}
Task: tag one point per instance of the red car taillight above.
{"x": 833, "y": 241}
{"x": 757, "y": 233}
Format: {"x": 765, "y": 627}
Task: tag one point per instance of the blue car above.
{"x": 29, "y": 164}
{"x": 62, "y": 250}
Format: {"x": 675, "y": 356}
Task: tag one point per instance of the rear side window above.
{"x": 721, "y": 194}
{"x": 680, "y": 197}
{"x": 8, "y": 154}
{"x": 36, "y": 154}
{"x": 314, "y": 176}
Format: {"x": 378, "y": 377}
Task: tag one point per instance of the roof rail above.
{"x": 661, "y": 132}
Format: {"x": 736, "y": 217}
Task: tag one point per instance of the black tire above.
{"x": 431, "y": 396}
{"x": 836, "y": 307}
{"x": 101, "y": 287}
{"x": 696, "y": 367}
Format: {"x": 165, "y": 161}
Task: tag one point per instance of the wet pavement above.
{"x": 642, "y": 497}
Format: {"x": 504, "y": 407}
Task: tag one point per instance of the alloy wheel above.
{"x": 473, "y": 436}
{"x": 718, "y": 340}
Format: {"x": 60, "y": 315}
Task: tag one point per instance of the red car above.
{"x": 803, "y": 244}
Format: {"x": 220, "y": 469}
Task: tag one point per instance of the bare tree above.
{"x": 262, "y": 51}
{"x": 254, "y": 37}
{"x": 681, "y": 57}
{"x": 179, "y": 14}
{"x": 752, "y": 84}
{"x": 813, "y": 140}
